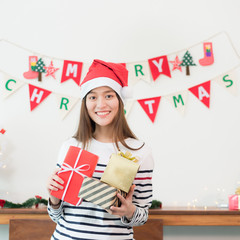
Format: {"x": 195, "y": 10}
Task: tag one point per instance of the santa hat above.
{"x": 113, "y": 75}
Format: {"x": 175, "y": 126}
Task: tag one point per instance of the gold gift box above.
{"x": 120, "y": 172}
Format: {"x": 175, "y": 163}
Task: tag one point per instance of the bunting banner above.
{"x": 228, "y": 81}
{"x": 37, "y": 95}
{"x": 150, "y": 106}
{"x": 138, "y": 71}
{"x": 202, "y": 92}
{"x": 11, "y": 85}
{"x": 71, "y": 70}
{"x": 178, "y": 101}
{"x": 66, "y": 104}
{"x": 151, "y": 71}
{"x": 158, "y": 66}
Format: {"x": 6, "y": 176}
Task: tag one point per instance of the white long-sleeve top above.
{"x": 89, "y": 221}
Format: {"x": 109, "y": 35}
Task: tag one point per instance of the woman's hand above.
{"x": 127, "y": 208}
{"x": 54, "y": 184}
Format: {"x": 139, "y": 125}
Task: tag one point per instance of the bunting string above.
{"x": 149, "y": 70}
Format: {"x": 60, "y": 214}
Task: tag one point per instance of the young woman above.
{"x": 103, "y": 130}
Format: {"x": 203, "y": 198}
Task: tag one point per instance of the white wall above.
{"x": 195, "y": 155}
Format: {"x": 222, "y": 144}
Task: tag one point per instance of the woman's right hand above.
{"x": 54, "y": 184}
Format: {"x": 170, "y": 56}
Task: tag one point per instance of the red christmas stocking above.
{"x": 31, "y": 74}
{"x": 208, "y": 54}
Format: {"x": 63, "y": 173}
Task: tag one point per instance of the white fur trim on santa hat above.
{"x": 100, "y": 82}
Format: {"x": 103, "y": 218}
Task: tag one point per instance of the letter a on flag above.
{"x": 37, "y": 95}
{"x": 202, "y": 92}
{"x": 150, "y": 106}
{"x": 72, "y": 70}
{"x": 158, "y": 66}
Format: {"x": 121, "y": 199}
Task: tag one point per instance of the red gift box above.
{"x": 234, "y": 202}
{"x": 77, "y": 164}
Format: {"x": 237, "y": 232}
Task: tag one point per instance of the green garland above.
{"x": 156, "y": 204}
{"x": 27, "y": 204}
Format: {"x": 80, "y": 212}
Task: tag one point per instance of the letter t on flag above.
{"x": 37, "y": 95}
{"x": 72, "y": 70}
{"x": 150, "y": 106}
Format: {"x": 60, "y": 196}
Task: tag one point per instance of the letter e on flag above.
{"x": 150, "y": 106}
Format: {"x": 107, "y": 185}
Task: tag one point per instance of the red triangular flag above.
{"x": 150, "y": 106}
{"x": 37, "y": 95}
{"x": 72, "y": 70}
{"x": 202, "y": 92}
{"x": 158, "y": 66}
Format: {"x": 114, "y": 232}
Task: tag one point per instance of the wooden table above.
{"x": 188, "y": 216}
{"x": 178, "y": 216}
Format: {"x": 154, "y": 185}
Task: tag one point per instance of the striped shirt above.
{"x": 91, "y": 222}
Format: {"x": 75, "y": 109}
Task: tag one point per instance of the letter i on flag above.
{"x": 158, "y": 66}
{"x": 72, "y": 70}
{"x": 150, "y": 106}
{"x": 37, "y": 95}
{"x": 202, "y": 92}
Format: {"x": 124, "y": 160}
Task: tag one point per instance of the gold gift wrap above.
{"x": 120, "y": 172}
{"x": 95, "y": 191}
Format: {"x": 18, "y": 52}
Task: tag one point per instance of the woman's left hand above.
{"x": 127, "y": 208}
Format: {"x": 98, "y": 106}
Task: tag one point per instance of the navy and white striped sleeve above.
{"x": 142, "y": 197}
{"x": 55, "y": 214}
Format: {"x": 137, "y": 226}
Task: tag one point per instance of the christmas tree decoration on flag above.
{"x": 138, "y": 71}
{"x": 150, "y": 106}
{"x": 176, "y": 64}
{"x": 77, "y": 164}
{"x": 158, "y": 66}
{"x": 30, "y": 74}
{"x": 208, "y": 58}
{"x": 202, "y": 92}
{"x": 39, "y": 67}
{"x": 187, "y": 61}
{"x": 37, "y": 95}
{"x": 11, "y": 86}
{"x": 51, "y": 70}
{"x": 72, "y": 70}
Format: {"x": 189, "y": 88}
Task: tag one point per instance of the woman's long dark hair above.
{"x": 86, "y": 127}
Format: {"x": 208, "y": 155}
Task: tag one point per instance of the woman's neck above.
{"x": 103, "y": 134}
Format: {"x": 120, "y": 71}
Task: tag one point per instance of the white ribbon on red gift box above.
{"x": 66, "y": 168}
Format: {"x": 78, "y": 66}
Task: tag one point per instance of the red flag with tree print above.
{"x": 150, "y": 106}
{"x": 37, "y": 95}
{"x": 202, "y": 92}
{"x": 158, "y": 66}
{"x": 72, "y": 70}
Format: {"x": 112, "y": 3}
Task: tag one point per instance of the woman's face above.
{"x": 102, "y": 105}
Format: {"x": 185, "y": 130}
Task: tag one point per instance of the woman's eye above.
{"x": 92, "y": 97}
{"x": 109, "y": 96}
